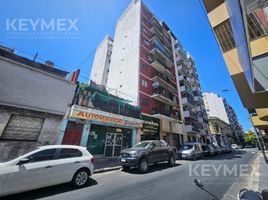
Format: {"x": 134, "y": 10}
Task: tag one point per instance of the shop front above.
{"x": 103, "y": 133}
{"x": 150, "y": 130}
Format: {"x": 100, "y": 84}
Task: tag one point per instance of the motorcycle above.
{"x": 243, "y": 194}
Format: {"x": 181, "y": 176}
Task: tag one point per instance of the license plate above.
{"x": 184, "y": 156}
{"x": 123, "y": 160}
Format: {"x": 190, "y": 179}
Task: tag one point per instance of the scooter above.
{"x": 243, "y": 194}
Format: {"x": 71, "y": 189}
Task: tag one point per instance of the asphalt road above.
{"x": 161, "y": 182}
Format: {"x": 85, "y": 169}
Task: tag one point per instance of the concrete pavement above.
{"x": 161, "y": 182}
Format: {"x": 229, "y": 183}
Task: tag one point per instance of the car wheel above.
{"x": 171, "y": 161}
{"x": 143, "y": 165}
{"x": 194, "y": 157}
{"x": 202, "y": 156}
{"x": 81, "y": 178}
{"x": 125, "y": 168}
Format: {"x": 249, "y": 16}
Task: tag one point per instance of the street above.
{"x": 161, "y": 182}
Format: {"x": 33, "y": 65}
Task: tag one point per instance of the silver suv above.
{"x": 192, "y": 150}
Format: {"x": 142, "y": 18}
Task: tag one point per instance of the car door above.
{"x": 32, "y": 175}
{"x": 67, "y": 162}
{"x": 155, "y": 156}
{"x": 164, "y": 151}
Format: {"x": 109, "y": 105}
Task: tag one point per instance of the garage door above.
{"x": 22, "y": 127}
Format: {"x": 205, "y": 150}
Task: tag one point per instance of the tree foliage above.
{"x": 250, "y": 138}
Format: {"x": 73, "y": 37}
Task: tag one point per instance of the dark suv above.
{"x": 147, "y": 152}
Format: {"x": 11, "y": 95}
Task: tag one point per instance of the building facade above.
{"x": 33, "y": 101}
{"x": 215, "y": 106}
{"x": 102, "y": 122}
{"x": 220, "y": 132}
{"x": 142, "y": 70}
{"x": 193, "y": 110}
{"x": 240, "y": 28}
{"x": 236, "y": 128}
{"x": 222, "y": 117}
{"x": 102, "y": 60}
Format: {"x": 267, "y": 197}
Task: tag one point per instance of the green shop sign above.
{"x": 150, "y": 122}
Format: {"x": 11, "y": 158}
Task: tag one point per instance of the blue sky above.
{"x": 96, "y": 18}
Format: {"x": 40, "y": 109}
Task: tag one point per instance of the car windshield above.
{"x": 187, "y": 147}
{"x": 142, "y": 145}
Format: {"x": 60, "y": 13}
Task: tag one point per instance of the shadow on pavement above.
{"x": 228, "y": 156}
{"x": 46, "y": 192}
{"x": 152, "y": 168}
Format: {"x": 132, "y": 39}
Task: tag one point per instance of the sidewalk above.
{"x": 262, "y": 173}
{"x": 106, "y": 164}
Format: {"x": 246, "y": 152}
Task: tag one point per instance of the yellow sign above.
{"x": 96, "y": 115}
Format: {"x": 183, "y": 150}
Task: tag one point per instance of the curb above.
{"x": 107, "y": 169}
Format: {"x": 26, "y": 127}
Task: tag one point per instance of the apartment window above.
{"x": 144, "y": 66}
{"x": 225, "y": 36}
{"x": 144, "y": 83}
{"x": 144, "y": 30}
{"x": 145, "y": 102}
{"x": 146, "y": 42}
{"x": 150, "y": 58}
{"x": 255, "y": 28}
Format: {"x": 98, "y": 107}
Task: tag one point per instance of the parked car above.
{"x": 212, "y": 150}
{"x": 148, "y": 152}
{"x": 191, "y": 151}
{"x": 46, "y": 166}
{"x": 217, "y": 149}
{"x": 206, "y": 150}
{"x": 234, "y": 146}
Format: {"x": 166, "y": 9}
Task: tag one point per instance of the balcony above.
{"x": 200, "y": 119}
{"x": 158, "y": 54}
{"x": 189, "y": 114}
{"x": 163, "y": 97}
{"x": 203, "y": 132}
{"x": 197, "y": 98}
{"x": 180, "y": 77}
{"x": 187, "y": 101}
{"x": 183, "y": 88}
{"x": 198, "y": 108}
{"x": 158, "y": 80}
{"x": 192, "y": 129}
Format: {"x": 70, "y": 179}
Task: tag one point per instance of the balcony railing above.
{"x": 192, "y": 128}
{"x": 164, "y": 97}
{"x": 164, "y": 82}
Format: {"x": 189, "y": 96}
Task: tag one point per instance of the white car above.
{"x": 234, "y": 146}
{"x": 46, "y": 166}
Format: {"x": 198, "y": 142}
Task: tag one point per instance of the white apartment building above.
{"x": 215, "y": 106}
{"x": 102, "y": 60}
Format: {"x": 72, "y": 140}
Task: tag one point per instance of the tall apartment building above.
{"x": 150, "y": 68}
{"x": 102, "y": 60}
{"x": 222, "y": 117}
{"x": 235, "y": 126}
{"x": 241, "y": 29}
{"x": 142, "y": 70}
{"x": 215, "y": 106}
{"x": 194, "y": 113}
